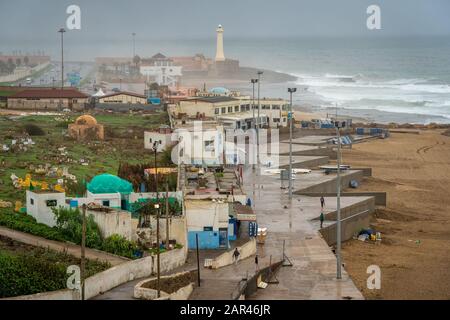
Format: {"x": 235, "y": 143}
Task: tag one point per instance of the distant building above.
{"x": 161, "y": 70}
{"x": 163, "y": 136}
{"x": 273, "y": 112}
{"x": 29, "y": 60}
{"x": 86, "y": 128}
{"x": 48, "y": 99}
{"x": 222, "y": 66}
{"x": 123, "y": 97}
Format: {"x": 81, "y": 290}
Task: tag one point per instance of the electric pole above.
{"x": 62, "y": 30}
{"x": 83, "y": 246}
{"x": 291, "y": 91}
{"x": 338, "y": 200}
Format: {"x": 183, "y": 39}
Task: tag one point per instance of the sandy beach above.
{"x": 414, "y": 256}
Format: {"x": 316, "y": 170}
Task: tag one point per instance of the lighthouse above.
{"x": 219, "y": 50}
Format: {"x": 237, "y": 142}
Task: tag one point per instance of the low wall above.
{"x": 329, "y": 186}
{"x": 64, "y": 294}
{"x": 152, "y": 294}
{"x": 246, "y": 250}
{"x": 379, "y": 196}
{"x": 308, "y": 163}
{"x": 367, "y": 172}
{"x": 115, "y": 276}
{"x": 349, "y": 226}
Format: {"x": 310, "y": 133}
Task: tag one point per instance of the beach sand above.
{"x": 414, "y": 256}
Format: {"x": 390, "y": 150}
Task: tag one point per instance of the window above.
{"x": 275, "y": 107}
{"x": 242, "y": 108}
{"x": 216, "y": 111}
{"x": 276, "y": 120}
{"x": 265, "y": 106}
{"x": 208, "y": 228}
{"x": 150, "y": 140}
{"x": 236, "y": 108}
{"x": 285, "y": 107}
{"x": 32, "y": 201}
{"x": 51, "y": 203}
{"x": 230, "y": 109}
{"x": 223, "y": 110}
{"x": 105, "y": 203}
{"x": 247, "y": 107}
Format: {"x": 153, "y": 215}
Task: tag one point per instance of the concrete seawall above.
{"x": 329, "y": 186}
{"x": 380, "y": 196}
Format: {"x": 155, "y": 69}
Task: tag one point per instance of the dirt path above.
{"x": 72, "y": 249}
{"x": 414, "y": 256}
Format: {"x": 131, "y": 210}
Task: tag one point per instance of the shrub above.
{"x": 26, "y": 223}
{"x": 70, "y": 222}
{"x": 34, "y": 130}
{"x": 118, "y": 245}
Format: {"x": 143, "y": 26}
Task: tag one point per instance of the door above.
{"x": 223, "y": 237}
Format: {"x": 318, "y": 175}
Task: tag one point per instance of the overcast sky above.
{"x": 39, "y": 19}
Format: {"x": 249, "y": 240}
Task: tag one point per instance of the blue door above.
{"x": 223, "y": 238}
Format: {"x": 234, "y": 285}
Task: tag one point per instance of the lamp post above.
{"x": 62, "y": 31}
{"x": 155, "y": 149}
{"x": 290, "y": 116}
{"x": 258, "y": 120}
{"x": 338, "y": 203}
{"x": 134, "y": 44}
{"x": 253, "y": 81}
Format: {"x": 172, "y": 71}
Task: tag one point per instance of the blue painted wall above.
{"x": 206, "y": 239}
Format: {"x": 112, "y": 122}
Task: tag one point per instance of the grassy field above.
{"x": 123, "y": 142}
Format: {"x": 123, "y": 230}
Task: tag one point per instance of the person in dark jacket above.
{"x": 322, "y": 202}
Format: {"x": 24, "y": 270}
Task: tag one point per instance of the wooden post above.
{"x": 83, "y": 246}
{"x": 167, "y": 216}
{"x": 198, "y": 260}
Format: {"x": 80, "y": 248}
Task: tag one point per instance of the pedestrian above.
{"x": 256, "y": 263}
{"x": 322, "y": 218}
{"x": 322, "y": 201}
{"x": 236, "y": 255}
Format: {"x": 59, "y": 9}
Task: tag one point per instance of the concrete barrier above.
{"x": 349, "y": 226}
{"x": 379, "y": 196}
{"x": 329, "y": 186}
{"x": 227, "y": 258}
{"x": 183, "y": 293}
{"x": 115, "y": 276}
{"x": 64, "y": 294}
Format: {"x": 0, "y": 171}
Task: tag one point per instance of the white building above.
{"x": 163, "y": 136}
{"x": 40, "y": 204}
{"x": 162, "y": 70}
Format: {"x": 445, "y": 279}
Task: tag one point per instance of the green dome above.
{"x": 108, "y": 183}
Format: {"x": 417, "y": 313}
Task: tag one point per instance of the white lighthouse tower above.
{"x": 219, "y": 50}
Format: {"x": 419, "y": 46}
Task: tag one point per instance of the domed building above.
{"x": 86, "y": 127}
{"x": 219, "y": 91}
{"x": 110, "y": 191}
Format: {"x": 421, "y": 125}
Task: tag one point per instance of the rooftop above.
{"x": 212, "y": 99}
{"x": 125, "y": 93}
{"x": 49, "y": 93}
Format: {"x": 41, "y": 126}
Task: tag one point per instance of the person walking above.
{"x": 236, "y": 255}
{"x": 256, "y": 263}
{"x": 322, "y": 201}
{"x": 322, "y": 218}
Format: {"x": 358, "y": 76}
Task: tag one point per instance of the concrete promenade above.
{"x": 313, "y": 274}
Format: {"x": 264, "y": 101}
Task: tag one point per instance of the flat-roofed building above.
{"x": 217, "y": 107}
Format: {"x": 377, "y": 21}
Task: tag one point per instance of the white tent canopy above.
{"x": 99, "y": 93}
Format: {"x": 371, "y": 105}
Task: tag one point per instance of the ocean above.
{"x": 400, "y": 79}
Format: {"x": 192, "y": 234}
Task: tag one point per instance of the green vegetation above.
{"x": 118, "y": 245}
{"x": 69, "y": 222}
{"x": 26, "y": 270}
{"x": 25, "y": 223}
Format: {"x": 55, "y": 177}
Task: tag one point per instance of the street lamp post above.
{"x": 338, "y": 204}
{"x": 62, "y": 30}
{"x": 258, "y": 120}
{"x": 155, "y": 149}
{"x": 291, "y": 91}
{"x": 253, "y": 81}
